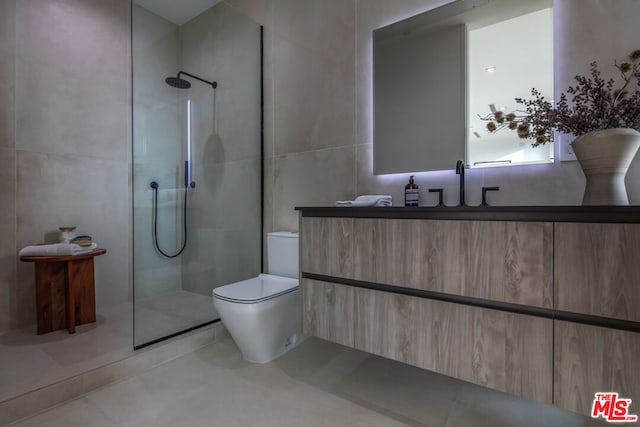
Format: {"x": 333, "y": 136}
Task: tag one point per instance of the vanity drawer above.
{"x": 597, "y": 269}
{"x": 504, "y": 261}
{"x": 326, "y": 246}
{"x": 590, "y": 359}
{"x": 327, "y": 311}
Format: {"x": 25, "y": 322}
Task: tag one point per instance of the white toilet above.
{"x": 263, "y": 314}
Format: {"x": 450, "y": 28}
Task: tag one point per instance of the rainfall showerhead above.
{"x": 177, "y": 82}
{"x": 180, "y": 83}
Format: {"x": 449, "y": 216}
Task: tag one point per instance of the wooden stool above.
{"x": 65, "y": 290}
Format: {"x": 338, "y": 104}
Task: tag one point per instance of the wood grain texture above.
{"x": 504, "y": 261}
{"x": 50, "y": 296}
{"x": 65, "y": 290}
{"x": 327, "y": 311}
{"x": 505, "y": 351}
{"x": 386, "y": 325}
{"x": 327, "y": 246}
{"x": 597, "y": 269}
{"x": 82, "y": 277}
{"x": 590, "y": 359}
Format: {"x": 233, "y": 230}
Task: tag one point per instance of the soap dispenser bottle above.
{"x": 411, "y": 194}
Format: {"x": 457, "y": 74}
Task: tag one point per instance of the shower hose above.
{"x": 155, "y": 186}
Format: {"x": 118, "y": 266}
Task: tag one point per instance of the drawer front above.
{"x": 505, "y": 351}
{"x": 496, "y": 260}
{"x": 590, "y": 359}
{"x": 327, "y": 311}
{"x": 326, "y": 246}
{"x": 597, "y": 269}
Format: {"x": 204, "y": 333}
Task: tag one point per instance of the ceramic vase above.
{"x": 605, "y": 156}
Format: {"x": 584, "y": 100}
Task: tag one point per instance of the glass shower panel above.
{"x": 197, "y": 162}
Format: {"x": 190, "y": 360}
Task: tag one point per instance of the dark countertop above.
{"x": 616, "y": 214}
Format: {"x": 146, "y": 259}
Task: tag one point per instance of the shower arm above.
{"x": 212, "y": 84}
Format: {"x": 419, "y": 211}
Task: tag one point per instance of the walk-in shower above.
{"x": 197, "y": 164}
{"x": 180, "y": 83}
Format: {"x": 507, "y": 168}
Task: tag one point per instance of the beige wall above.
{"x": 7, "y": 162}
{"x": 319, "y": 92}
{"x": 65, "y": 139}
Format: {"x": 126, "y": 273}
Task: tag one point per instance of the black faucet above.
{"x": 460, "y": 171}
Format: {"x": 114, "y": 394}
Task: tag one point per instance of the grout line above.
{"x": 293, "y": 153}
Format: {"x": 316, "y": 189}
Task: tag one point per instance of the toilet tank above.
{"x": 282, "y": 253}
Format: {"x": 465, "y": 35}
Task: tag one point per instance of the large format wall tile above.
{"x": 91, "y": 194}
{"x": 533, "y": 185}
{"x": 325, "y": 28}
{"x": 7, "y": 72}
{"x": 8, "y": 233}
{"x": 314, "y": 99}
{"x": 73, "y": 90}
{"x": 258, "y": 10}
{"x": 205, "y": 51}
{"x": 314, "y": 178}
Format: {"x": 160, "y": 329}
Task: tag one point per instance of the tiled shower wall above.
{"x": 318, "y": 100}
{"x": 65, "y": 138}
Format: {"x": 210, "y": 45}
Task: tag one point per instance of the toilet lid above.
{"x": 256, "y": 289}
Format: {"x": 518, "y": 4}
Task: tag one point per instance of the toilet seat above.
{"x": 256, "y": 289}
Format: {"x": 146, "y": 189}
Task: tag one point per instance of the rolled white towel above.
{"x": 367, "y": 200}
{"x": 56, "y": 249}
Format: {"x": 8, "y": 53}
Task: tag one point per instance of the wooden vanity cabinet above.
{"x": 597, "y": 269}
{"x": 504, "y": 351}
{"x": 544, "y": 310}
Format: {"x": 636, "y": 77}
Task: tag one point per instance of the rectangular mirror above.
{"x": 437, "y": 74}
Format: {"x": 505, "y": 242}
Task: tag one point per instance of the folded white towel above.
{"x": 368, "y": 200}
{"x": 56, "y": 249}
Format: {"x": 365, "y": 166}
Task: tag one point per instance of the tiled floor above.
{"x": 315, "y": 384}
{"x": 29, "y": 361}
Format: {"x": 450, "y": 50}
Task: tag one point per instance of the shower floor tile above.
{"x": 315, "y": 384}
{"x": 162, "y": 315}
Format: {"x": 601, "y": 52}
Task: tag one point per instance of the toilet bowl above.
{"x": 262, "y": 314}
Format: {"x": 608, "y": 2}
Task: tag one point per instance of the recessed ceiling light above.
{"x": 490, "y": 69}
{"x": 503, "y": 108}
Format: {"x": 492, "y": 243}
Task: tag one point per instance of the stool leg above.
{"x": 71, "y": 300}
